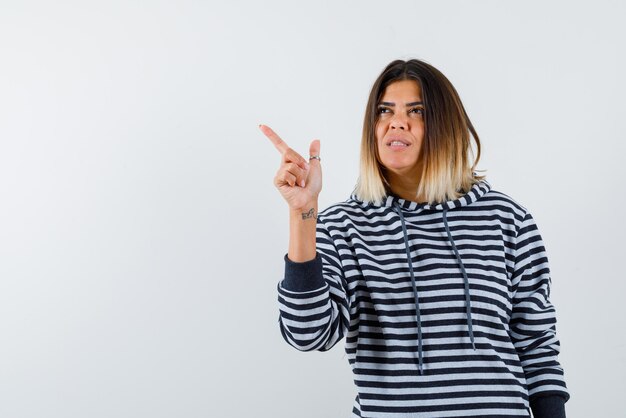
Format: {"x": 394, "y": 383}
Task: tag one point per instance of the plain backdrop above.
{"x": 141, "y": 236}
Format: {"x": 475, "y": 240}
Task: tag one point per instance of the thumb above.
{"x": 314, "y": 149}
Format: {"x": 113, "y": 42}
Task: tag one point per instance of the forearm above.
{"x": 302, "y": 227}
{"x": 314, "y": 306}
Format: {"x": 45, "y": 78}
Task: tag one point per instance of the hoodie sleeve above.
{"x": 533, "y": 319}
{"x": 312, "y": 298}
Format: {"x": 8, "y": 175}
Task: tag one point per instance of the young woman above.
{"x": 439, "y": 283}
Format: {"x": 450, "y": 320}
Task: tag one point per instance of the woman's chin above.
{"x": 400, "y": 166}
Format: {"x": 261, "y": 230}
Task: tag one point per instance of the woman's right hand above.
{"x": 298, "y": 180}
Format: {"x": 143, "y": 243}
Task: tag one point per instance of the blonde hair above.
{"x": 447, "y": 173}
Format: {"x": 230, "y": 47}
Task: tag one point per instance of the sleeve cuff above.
{"x": 549, "y": 406}
{"x": 304, "y": 276}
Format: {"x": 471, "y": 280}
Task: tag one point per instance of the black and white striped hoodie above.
{"x": 444, "y": 308}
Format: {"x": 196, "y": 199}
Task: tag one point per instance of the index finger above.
{"x": 280, "y": 145}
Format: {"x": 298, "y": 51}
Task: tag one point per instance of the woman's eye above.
{"x": 418, "y": 109}
{"x": 382, "y": 110}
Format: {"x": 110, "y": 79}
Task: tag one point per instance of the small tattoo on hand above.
{"x": 309, "y": 214}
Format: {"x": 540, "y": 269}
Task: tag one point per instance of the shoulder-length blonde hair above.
{"x": 447, "y": 173}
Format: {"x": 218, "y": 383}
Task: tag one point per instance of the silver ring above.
{"x": 315, "y": 157}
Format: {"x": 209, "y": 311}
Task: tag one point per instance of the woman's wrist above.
{"x": 302, "y": 233}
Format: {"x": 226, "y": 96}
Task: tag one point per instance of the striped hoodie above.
{"x": 444, "y": 307}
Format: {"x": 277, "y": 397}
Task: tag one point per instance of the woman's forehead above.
{"x": 402, "y": 89}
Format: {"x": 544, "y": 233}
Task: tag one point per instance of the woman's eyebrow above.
{"x": 392, "y": 104}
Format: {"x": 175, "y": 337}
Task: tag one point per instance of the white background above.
{"x": 142, "y": 239}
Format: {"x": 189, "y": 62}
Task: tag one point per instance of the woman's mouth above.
{"x": 397, "y": 145}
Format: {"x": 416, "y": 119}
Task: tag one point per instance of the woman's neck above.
{"x": 405, "y": 187}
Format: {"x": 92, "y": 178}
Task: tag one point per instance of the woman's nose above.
{"x": 399, "y": 121}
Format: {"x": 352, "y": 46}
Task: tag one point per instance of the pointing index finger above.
{"x": 280, "y": 145}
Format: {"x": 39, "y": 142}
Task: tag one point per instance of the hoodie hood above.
{"x": 399, "y": 205}
{"x": 478, "y": 190}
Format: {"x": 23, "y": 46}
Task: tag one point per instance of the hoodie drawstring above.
{"x": 468, "y": 302}
{"x": 417, "y": 303}
{"x": 417, "y": 309}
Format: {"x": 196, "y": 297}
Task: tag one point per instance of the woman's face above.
{"x": 400, "y": 128}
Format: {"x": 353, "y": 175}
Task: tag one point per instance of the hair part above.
{"x": 447, "y": 170}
